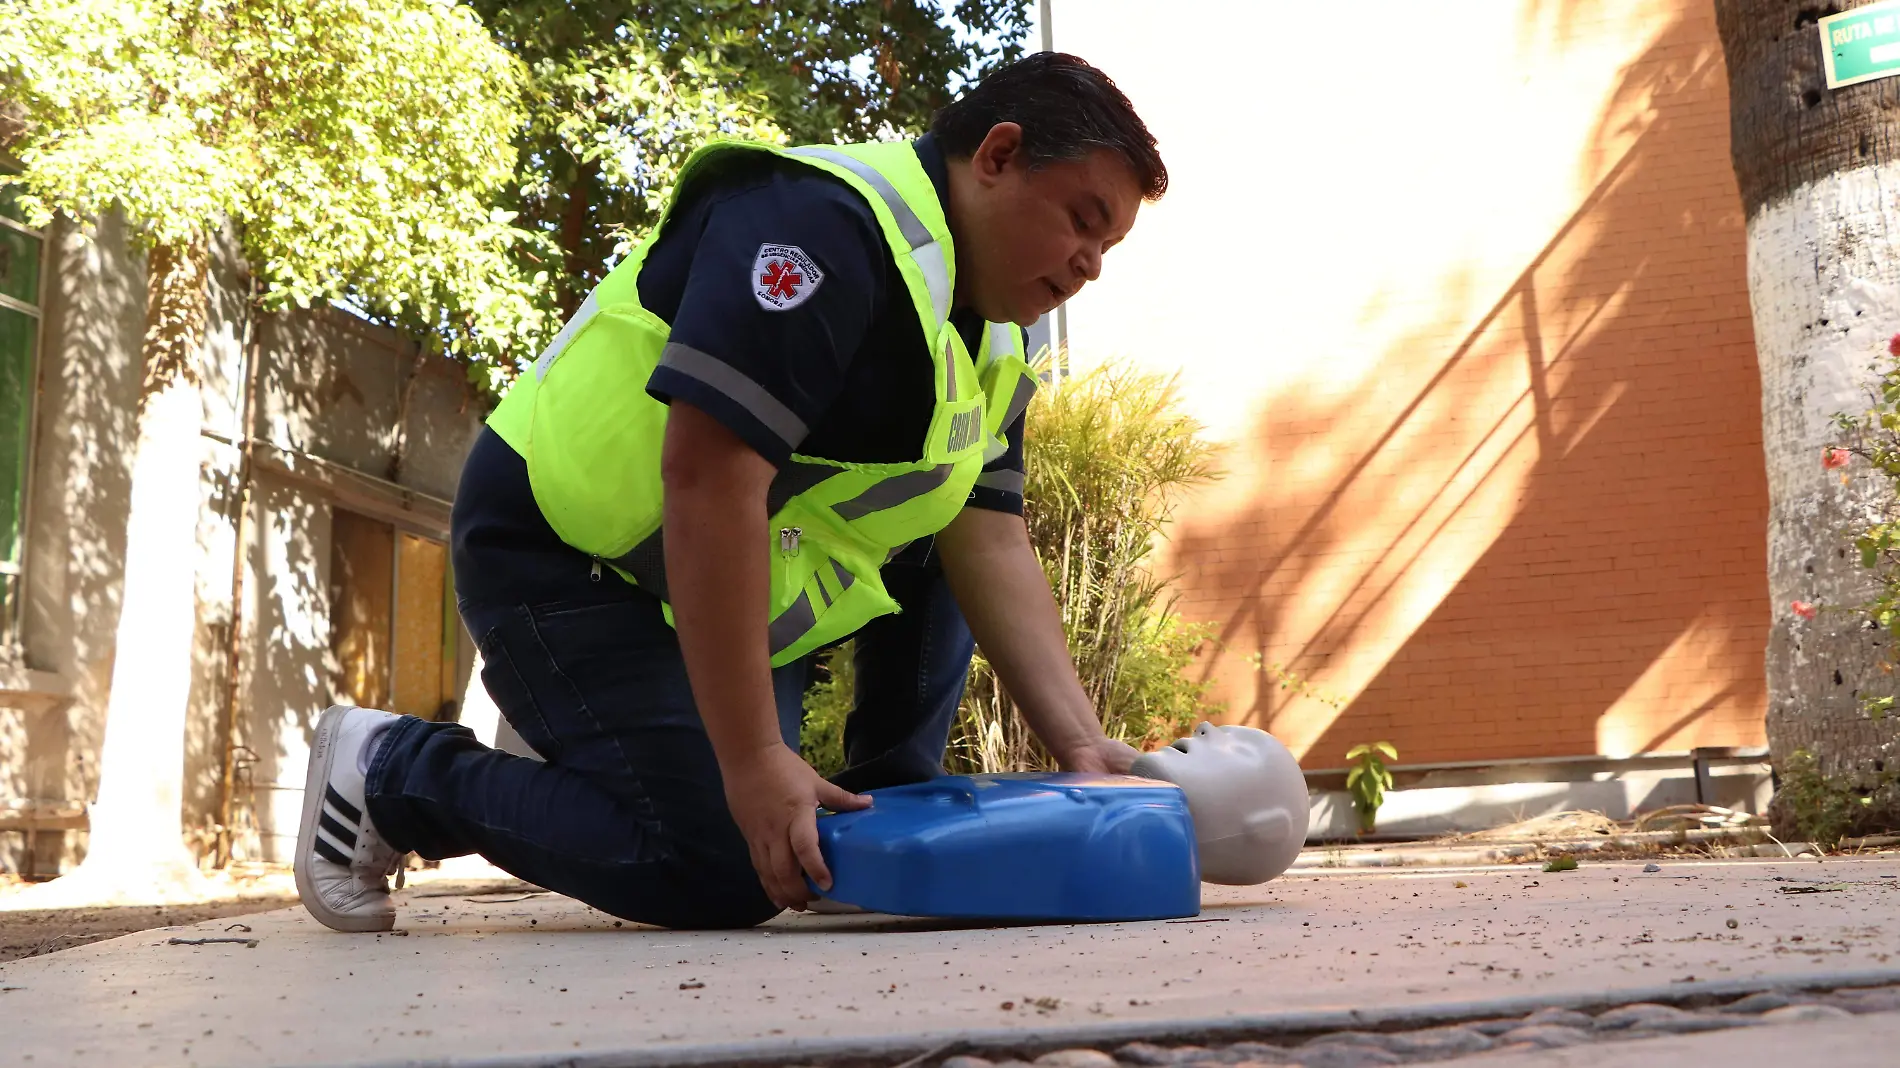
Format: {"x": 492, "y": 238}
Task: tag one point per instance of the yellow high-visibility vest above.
{"x": 591, "y": 435}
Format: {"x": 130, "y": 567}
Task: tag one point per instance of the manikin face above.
{"x": 1247, "y": 797}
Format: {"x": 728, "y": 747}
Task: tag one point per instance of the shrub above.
{"x": 1107, "y": 454}
{"x": 827, "y": 703}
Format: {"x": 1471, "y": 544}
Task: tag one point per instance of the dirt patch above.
{"x": 33, "y": 932}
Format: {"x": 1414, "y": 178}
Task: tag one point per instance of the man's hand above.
{"x": 774, "y": 797}
{"x": 1103, "y": 756}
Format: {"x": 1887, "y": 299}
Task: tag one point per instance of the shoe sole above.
{"x": 316, "y": 777}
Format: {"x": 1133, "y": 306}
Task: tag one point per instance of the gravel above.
{"x": 1551, "y": 1028}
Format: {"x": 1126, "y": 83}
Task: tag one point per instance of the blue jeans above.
{"x": 626, "y": 811}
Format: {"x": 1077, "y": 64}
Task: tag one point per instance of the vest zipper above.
{"x": 788, "y": 540}
{"x": 593, "y": 573}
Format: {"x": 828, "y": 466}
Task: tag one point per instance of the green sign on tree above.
{"x": 1862, "y": 44}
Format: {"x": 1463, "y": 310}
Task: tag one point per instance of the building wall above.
{"x": 332, "y": 419}
{"x": 1461, "y": 290}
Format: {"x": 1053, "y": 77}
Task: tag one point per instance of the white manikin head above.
{"x": 1246, "y": 795}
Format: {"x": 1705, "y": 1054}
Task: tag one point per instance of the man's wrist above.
{"x": 1075, "y": 740}
{"x": 746, "y": 749}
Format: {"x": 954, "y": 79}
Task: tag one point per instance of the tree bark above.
{"x": 580, "y": 275}
{"x": 136, "y": 851}
{"x": 1818, "y": 172}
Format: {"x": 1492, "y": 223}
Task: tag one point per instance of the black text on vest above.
{"x": 964, "y": 428}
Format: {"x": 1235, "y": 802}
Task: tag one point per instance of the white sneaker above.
{"x": 343, "y": 866}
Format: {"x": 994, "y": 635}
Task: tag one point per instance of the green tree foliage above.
{"x": 621, "y": 92}
{"x": 359, "y": 146}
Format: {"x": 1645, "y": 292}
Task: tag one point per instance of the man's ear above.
{"x": 999, "y": 151}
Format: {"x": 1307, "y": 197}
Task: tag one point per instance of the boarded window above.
{"x": 394, "y": 629}
{"x": 20, "y": 254}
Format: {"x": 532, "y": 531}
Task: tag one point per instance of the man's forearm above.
{"x": 717, "y": 575}
{"x": 1005, "y": 598}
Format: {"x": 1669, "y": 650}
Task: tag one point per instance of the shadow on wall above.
{"x": 221, "y": 369}
{"x": 353, "y": 393}
{"x": 1536, "y": 550}
{"x": 89, "y": 387}
{"x": 289, "y": 668}
{"x": 356, "y": 395}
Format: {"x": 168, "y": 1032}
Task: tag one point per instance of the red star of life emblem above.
{"x": 782, "y": 280}
{"x": 783, "y": 276}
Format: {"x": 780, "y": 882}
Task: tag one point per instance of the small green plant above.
{"x": 1368, "y": 779}
{"x": 1819, "y": 808}
{"x": 1873, "y": 437}
{"x": 1561, "y": 864}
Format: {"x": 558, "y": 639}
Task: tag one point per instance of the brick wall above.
{"x": 1465, "y": 299}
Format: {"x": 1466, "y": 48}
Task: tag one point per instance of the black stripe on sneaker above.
{"x": 344, "y": 808}
{"x": 343, "y": 835}
{"x": 330, "y": 853}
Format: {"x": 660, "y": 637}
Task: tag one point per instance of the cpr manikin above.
{"x": 1247, "y": 797}
{"x": 1225, "y": 805}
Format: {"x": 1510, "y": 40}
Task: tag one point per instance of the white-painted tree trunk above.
{"x": 136, "y": 851}
{"x": 1824, "y": 282}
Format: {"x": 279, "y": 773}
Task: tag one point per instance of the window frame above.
{"x": 12, "y": 608}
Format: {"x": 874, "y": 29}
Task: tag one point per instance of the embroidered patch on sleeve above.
{"x": 783, "y": 277}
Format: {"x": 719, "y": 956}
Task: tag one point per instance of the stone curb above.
{"x": 893, "y": 1048}
{"x": 1746, "y": 841}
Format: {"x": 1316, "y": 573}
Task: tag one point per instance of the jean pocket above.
{"x": 513, "y": 696}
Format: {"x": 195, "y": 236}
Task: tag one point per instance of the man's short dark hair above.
{"x": 1067, "y": 110}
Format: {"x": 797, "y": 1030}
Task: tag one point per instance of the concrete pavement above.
{"x": 508, "y": 980}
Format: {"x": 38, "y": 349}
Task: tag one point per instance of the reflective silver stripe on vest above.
{"x": 994, "y": 449}
{"x": 1006, "y": 481}
{"x": 792, "y": 624}
{"x": 586, "y": 311}
{"x": 733, "y": 384}
{"x": 1002, "y": 341}
{"x": 923, "y": 248}
{"x": 893, "y": 491}
{"x": 1025, "y": 391}
{"x": 793, "y": 479}
{"x": 844, "y": 582}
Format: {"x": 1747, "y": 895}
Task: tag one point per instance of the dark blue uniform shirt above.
{"x": 822, "y": 355}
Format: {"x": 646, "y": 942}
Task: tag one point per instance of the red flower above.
{"x": 1832, "y": 458}
{"x": 1893, "y": 345}
{"x": 1803, "y": 609}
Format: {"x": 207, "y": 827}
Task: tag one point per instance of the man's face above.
{"x": 1029, "y": 239}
